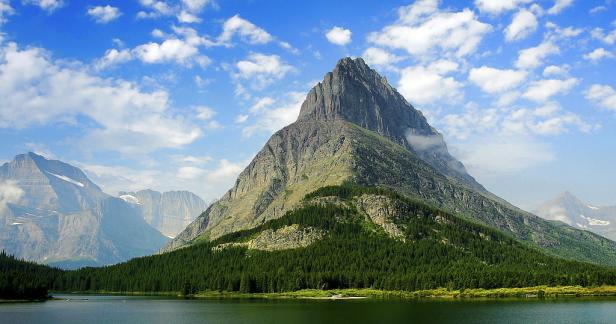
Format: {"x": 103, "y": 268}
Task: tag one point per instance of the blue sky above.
{"x": 182, "y": 94}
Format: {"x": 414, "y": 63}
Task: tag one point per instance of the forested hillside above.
{"x": 412, "y": 246}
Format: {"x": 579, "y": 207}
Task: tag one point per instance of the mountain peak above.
{"x": 569, "y": 197}
{"x": 354, "y": 92}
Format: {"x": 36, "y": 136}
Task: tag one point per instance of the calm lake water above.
{"x": 120, "y": 309}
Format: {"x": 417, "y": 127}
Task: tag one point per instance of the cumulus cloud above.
{"x": 559, "y": 5}
{"x": 598, "y": 54}
{"x": 180, "y": 48}
{"x": 428, "y": 84}
{"x": 499, "y": 6}
{"x": 48, "y": 5}
{"x": 602, "y": 95}
{"x": 542, "y": 90}
{"x": 5, "y": 10}
{"x": 246, "y": 30}
{"x": 422, "y": 28}
{"x": 375, "y": 56}
{"x": 10, "y": 193}
{"x": 169, "y": 50}
{"x": 534, "y": 56}
{"x": 113, "y": 57}
{"x": 523, "y": 24}
{"x": 271, "y": 114}
{"x": 547, "y": 119}
{"x": 554, "y": 70}
{"x": 261, "y": 70}
{"x": 36, "y": 90}
{"x": 608, "y": 38}
{"x": 186, "y": 11}
{"x": 104, "y": 14}
{"x": 492, "y": 80}
{"x": 339, "y": 36}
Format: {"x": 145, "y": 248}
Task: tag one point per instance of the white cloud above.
{"x": 246, "y": 30}
{"x": 169, "y": 50}
{"x": 603, "y": 95}
{"x": 421, "y": 29}
{"x": 195, "y": 5}
{"x": 542, "y": 90}
{"x": 113, "y": 57}
{"x": 186, "y": 11}
{"x": 205, "y": 113}
{"x": 533, "y": 57}
{"x": 240, "y": 119}
{"x": 503, "y": 155}
{"x": 493, "y": 80}
{"x": 271, "y": 115}
{"x": 49, "y": 5}
{"x": 428, "y": 84}
{"x": 190, "y": 172}
{"x": 36, "y": 90}
{"x": 548, "y": 119}
{"x": 225, "y": 172}
{"x": 103, "y": 15}
{"x": 10, "y": 193}
{"x": 339, "y": 36}
{"x": 375, "y": 56}
{"x": 181, "y": 48}
{"x": 609, "y": 38}
{"x": 598, "y": 54}
{"x": 261, "y": 69}
{"x": 559, "y": 5}
{"x": 597, "y": 9}
{"x": 5, "y": 10}
{"x": 499, "y": 6}
{"x": 523, "y": 24}
{"x": 554, "y": 70}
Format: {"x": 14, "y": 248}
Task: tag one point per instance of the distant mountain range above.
{"x": 50, "y": 212}
{"x": 169, "y": 212}
{"x": 572, "y": 211}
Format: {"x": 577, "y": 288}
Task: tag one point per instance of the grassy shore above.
{"x": 528, "y": 292}
{"x": 442, "y": 293}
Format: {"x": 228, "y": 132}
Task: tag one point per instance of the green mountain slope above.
{"x": 346, "y": 237}
{"x": 354, "y": 127}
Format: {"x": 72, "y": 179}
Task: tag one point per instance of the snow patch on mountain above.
{"x": 67, "y": 179}
{"x": 130, "y": 199}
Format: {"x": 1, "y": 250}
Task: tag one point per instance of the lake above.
{"x": 122, "y": 309}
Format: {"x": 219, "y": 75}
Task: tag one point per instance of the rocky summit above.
{"x": 50, "y": 212}
{"x": 354, "y": 128}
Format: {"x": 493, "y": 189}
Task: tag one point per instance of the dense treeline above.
{"x": 438, "y": 250}
{"x": 24, "y": 280}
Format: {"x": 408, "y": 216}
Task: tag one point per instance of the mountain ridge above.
{"x": 63, "y": 218}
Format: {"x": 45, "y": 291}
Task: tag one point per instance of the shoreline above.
{"x": 526, "y": 293}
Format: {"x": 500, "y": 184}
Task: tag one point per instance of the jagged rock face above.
{"x": 169, "y": 212}
{"x": 61, "y": 217}
{"x": 570, "y": 210}
{"x": 357, "y": 137}
{"x": 358, "y": 94}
